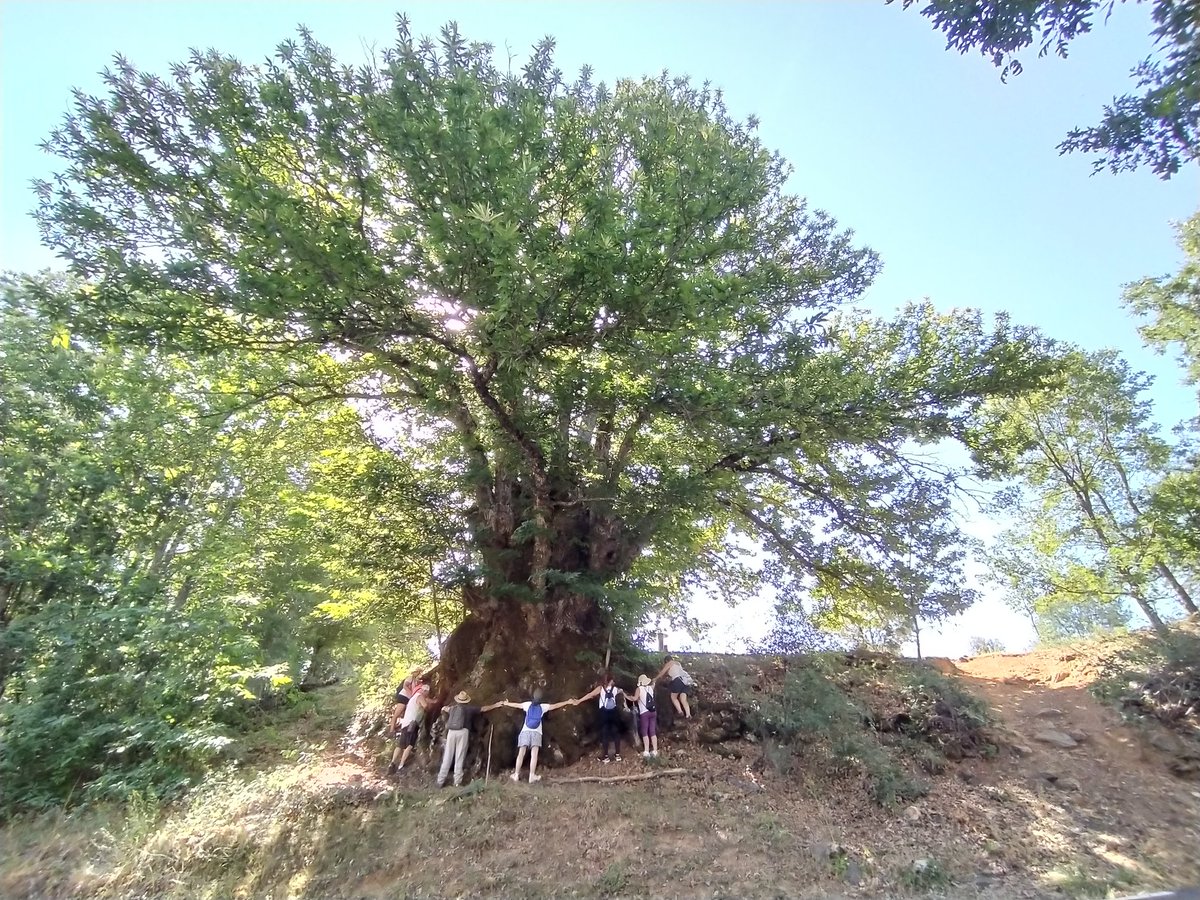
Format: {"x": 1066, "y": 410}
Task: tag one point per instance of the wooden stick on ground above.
{"x": 615, "y": 778}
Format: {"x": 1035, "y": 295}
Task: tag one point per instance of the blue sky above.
{"x": 951, "y": 175}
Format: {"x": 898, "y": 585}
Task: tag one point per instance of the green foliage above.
{"x": 171, "y": 559}
{"x": 930, "y": 696}
{"x": 811, "y": 709}
{"x": 1079, "y": 882}
{"x": 593, "y": 311}
{"x": 1087, "y": 457}
{"x": 1159, "y": 127}
{"x": 613, "y": 881}
{"x": 1172, "y": 303}
{"x": 1155, "y": 679}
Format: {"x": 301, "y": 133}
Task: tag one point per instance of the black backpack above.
{"x": 648, "y": 696}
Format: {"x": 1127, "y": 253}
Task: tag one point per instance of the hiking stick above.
{"x": 488, "y": 774}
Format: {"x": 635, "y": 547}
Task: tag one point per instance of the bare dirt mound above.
{"x": 1097, "y": 786}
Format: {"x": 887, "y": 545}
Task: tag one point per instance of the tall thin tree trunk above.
{"x": 437, "y": 618}
{"x": 1180, "y": 591}
{"x": 1147, "y": 608}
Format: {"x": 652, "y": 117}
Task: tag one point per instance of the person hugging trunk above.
{"x": 406, "y": 689}
{"x": 530, "y": 737}
{"x": 460, "y": 719}
{"x": 607, "y": 694}
{"x": 410, "y": 725}
{"x": 680, "y": 685}
{"x": 647, "y": 716}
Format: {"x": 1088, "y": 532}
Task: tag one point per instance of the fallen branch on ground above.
{"x": 614, "y": 778}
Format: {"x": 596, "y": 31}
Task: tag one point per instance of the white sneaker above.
{"x": 645, "y": 754}
{"x": 533, "y": 779}
{"x": 515, "y": 776}
{"x": 654, "y": 754}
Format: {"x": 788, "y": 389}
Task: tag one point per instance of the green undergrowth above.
{"x": 889, "y": 722}
{"x": 1157, "y": 677}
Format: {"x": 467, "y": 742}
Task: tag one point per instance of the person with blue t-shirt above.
{"x": 531, "y": 731}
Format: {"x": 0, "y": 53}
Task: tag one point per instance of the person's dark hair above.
{"x": 606, "y": 677}
{"x": 426, "y": 679}
{"x": 668, "y": 658}
{"x": 537, "y": 695}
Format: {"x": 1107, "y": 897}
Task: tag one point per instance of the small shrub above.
{"x": 925, "y": 875}
{"x": 613, "y": 881}
{"x": 770, "y": 829}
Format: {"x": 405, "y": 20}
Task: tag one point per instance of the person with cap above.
{"x": 410, "y": 725}
{"x": 647, "y": 715}
{"x": 460, "y": 719}
{"x": 680, "y": 685}
{"x": 607, "y": 694}
{"x": 530, "y": 736}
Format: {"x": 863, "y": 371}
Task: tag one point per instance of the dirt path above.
{"x": 1110, "y": 798}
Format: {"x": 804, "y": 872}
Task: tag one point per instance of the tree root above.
{"x": 615, "y": 778}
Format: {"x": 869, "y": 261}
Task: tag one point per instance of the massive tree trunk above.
{"x": 505, "y": 649}
{"x": 523, "y": 631}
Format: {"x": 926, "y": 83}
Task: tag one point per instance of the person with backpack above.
{"x": 680, "y": 685}
{"x": 608, "y": 693}
{"x": 460, "y": 719}
{"x": 647, "y": 715}
{"x": 530, "y": 736}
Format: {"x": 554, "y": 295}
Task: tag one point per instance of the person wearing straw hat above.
{"x": 647, "y": 715}
{"x": 460, "y": 719}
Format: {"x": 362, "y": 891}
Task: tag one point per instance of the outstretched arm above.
{"x": 489, "y": 708}
{"x": 550, "y": 707}
{"x": 595, "y": 692}
{"x": 662, "y": 671}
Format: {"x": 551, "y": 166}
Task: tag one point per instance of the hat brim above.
{"x": 462, "y": 697}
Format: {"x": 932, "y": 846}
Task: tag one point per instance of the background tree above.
{"x": 1159, "y": 127}
{"x": 1088, "y": 456}
{"x": 1040, "y": 578}
{"x": 170, "y": 557}
{"x": 597, "y": 310}
{"x": 981, "y": 645}
{"x": 1172, "y": 304}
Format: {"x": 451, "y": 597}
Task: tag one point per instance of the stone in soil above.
{"x": 1056, "y": 738}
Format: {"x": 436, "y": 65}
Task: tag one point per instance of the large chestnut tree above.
{"x": 597, "y": 312}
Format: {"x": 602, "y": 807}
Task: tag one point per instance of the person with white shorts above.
{"x": 530, "y": 737}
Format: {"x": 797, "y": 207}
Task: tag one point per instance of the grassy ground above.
{"x": 301, "y": 817}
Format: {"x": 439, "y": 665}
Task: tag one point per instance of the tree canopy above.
{"x": 1159, "y": 127}
{"x": 598, "y": 309}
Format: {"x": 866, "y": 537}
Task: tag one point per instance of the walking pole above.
{"x": 488, "y": 774}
